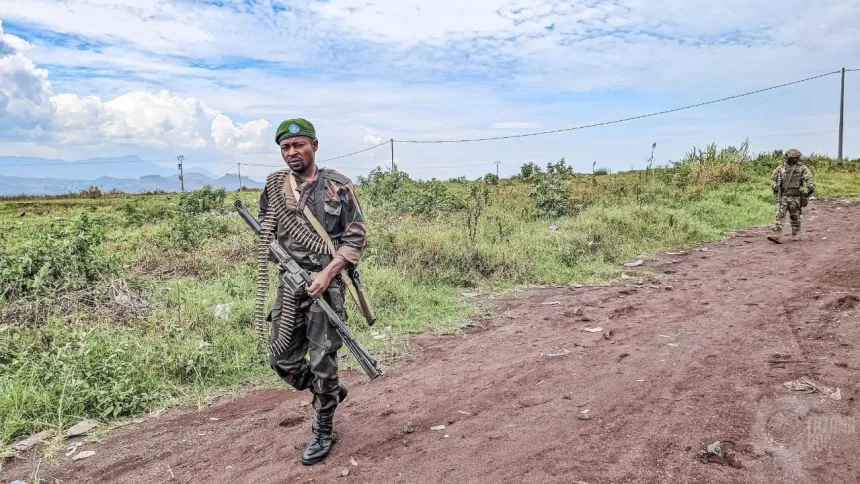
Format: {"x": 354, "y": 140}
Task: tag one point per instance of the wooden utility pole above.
{"x": 180, "y": 159}
{"x": 841, "y": 116}
{"x": 392, "y": 155}
{"x": 240, "y": 175}
{"x": 497, "y": 162}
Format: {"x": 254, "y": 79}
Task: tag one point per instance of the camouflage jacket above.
{"x": 331, "y": 198}
{"x": 794, "y": 177}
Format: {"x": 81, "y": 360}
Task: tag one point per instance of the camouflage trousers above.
{"x": 792, "y": 206}
{"x": 309, "y": 361}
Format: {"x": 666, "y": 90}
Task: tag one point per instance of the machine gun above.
{"x": 298, "y": 279}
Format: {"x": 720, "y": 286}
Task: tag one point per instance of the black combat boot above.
{"x": 320, "y": 444}
{"x": 342, "y": 393}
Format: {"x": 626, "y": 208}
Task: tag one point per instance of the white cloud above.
{"x": 242, "y": 137}
{"x": 158, "y": 120}
{"x": 24, "y": 88}
{"x": 138, "y": 118}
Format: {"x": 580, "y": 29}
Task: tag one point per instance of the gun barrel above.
{"x": 247, "y": 217}
{"x": 365, "y": 360}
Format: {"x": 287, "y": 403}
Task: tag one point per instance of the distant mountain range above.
{"x": 12, "y": 185}
{"x": 130, "y": 174}
{"x": 89, "y": 169}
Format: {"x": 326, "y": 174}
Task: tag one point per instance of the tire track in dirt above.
{"x": 690, "y": 361}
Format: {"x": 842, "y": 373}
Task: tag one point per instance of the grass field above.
{"x": 108, "y": 303}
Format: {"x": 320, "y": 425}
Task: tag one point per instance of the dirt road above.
{"x": 702, "y": 343}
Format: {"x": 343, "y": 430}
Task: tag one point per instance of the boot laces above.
{"x": 324, "y": 424}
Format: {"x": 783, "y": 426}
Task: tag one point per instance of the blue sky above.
{"x": 211, "y": 80}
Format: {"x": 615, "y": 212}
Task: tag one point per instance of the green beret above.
{"x": 295, "y": 127}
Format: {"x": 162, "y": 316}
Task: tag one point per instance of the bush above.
{"x": 201, "y": 201}
{"x": 491, "y": 178}
{"x": 186, "y": 232}
{"x": 699, "y": 167}
{"x": 398, "y": 192}
{"x": 380, "y": 187}
{"x": 552, "y": 195}
{"x": 425, "y": 198}
{"x": 529, "y": 171}
{"x": 191, "y": 224}
{"x": 92, "y": 192}
{"x": 559, "y": 169}
{"x": 64, "y": 260}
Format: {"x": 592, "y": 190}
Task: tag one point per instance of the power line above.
{"x": 353, "y": 153}
{"x": 122, "y": 162}
{"x": 445, "y": 166}
{"x": 604, "y": 123}
{"x": 223, "y": 172}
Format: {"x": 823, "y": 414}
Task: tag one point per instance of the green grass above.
{"x": 140, "y": 333}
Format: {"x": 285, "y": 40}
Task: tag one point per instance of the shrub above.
{"x": 54, "y": 261}
{"x": 559, "y": 169}
{"x": 201, "y": 201}
{"x": 381, "y": 186}
{"x": 425, "y": 198}
{"x": 529, "y": 171}
{"x": 552, "y": 195}
{"x": 92, "y": 192}
{"x": 699, "y": 167}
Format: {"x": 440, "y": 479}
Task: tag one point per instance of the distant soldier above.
{"x": 787, "y": 182}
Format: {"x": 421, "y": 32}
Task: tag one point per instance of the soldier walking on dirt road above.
{"x": 293, "y": 197}
{"x": 787, "y": 182}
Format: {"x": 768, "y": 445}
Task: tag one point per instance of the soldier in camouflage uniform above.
{"x": 792, "y": 175}
{"x": 300, "y": 327}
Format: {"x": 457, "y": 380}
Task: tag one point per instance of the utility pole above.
{"x": 392, "y": 155}
{"x": 497, "y": 162}
{"x": 240, "y": 175}
{"x": 180, "y": 159}
{"x": 841, "y": 116}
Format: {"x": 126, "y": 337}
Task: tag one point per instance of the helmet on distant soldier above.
{"x": 793, "y": 153}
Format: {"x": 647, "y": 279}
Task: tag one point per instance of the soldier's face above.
{"x": 792, "y": 161}
{"x": 299, "y": 153}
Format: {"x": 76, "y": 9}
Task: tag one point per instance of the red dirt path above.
{"x": 699, "y": 352}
